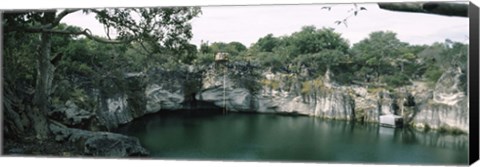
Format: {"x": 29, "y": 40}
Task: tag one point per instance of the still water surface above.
{"x": 268, "y": 137}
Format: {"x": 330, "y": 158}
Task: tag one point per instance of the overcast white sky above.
{"x": 246, "y": 24}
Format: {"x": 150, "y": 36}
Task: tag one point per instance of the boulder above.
{"x": 103, "y": 144}
{"x": 113, "y": 145}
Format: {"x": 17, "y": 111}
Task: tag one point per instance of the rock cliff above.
{"x": 443, "y": 106}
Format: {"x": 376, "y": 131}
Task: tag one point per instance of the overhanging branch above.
{"x": 62, "y": 14}
{"x": 440, "y": 8}
{"x": 86, "y": 32}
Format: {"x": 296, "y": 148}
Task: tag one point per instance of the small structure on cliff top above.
{"x": 221, "y": 57}
{"x": 391, "y": 120}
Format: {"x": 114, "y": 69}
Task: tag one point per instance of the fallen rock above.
{"x": 103, "y": 144}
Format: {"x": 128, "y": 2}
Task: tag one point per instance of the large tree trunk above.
{"x": 43, "y": 88}
{"x": 12, "y": 120}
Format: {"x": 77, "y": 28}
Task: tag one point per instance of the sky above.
{"x": 246, "y": 24}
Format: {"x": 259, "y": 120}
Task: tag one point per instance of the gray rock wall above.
{"x": 432, "y": 107}
{"x": 449, "y": 117}
{"x": 447, "y": 106}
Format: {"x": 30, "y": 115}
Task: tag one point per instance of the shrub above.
{"x": 396, "y": 80}
{"x": 433, "y": 73}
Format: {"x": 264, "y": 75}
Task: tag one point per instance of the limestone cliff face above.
{"x": 113, "y": 111}
{"x": 444, "y": 106}
{"x": 141, "y": 98}
{"x": 328, "y": 102}
{"x": 448, "y": 106}
{"x": 438, "y": 116}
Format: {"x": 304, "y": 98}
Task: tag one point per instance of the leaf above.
{"x": 363, "y": 8}
{"x": 338, "y": 22}
{"x": 355, "y": 13}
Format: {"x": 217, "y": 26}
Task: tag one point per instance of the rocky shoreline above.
{"x": 70, "y": 142}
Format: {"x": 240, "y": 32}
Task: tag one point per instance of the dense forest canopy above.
{"x": 48, "y": 63}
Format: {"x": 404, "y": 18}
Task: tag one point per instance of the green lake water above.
{"x": 269, "y": 137}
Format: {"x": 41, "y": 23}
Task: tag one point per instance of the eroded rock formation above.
{"x": 443, "y": 107}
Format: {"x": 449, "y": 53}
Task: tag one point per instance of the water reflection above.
{"x": 292, "y": 138}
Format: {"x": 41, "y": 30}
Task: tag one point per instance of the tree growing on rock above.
{"x": 156, "y": 29}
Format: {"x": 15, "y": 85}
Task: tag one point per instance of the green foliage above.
{"x": 204, "y": 58}
{"x": 271, "y": 61}
{"x": 311, "y": 40}
{"x": 396, "y": 80}
{"x": 19, "y": 57}
{"x": 267, "y": 43}
{"x": 441, "y": 56}
{"x": 380, "y": 53}
{"x": 232, "y": 48}
{"x": 318, "y": 63}
{"x": 311, "y": 48}
{"x": 433, "y": 73}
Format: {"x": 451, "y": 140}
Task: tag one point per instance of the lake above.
{"x": 271, "y": 137}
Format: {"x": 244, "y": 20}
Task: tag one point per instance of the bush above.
{"x": 206, "y": 58}
{"x": 396, "y": 80}
{"x": 433, "y": 73}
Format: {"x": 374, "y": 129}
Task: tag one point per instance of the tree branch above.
{"x": 88, "y": 34}
{"x": 440, "y": 8}
{"x": 62, "y": 14}
{"x": 85, "y": 32}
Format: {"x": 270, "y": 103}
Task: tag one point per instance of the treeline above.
{"x": 379, "y": 59}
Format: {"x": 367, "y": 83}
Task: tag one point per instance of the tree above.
{"x": 267, "y": 43}
{"x": 232, "y": 48}
{"x": 312, "y": 40}
{"x": 311, "y": 48}
{"x": 379, "y": 53}
{"x": 319, "y": 63}
{"x": 159, "y": 28}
